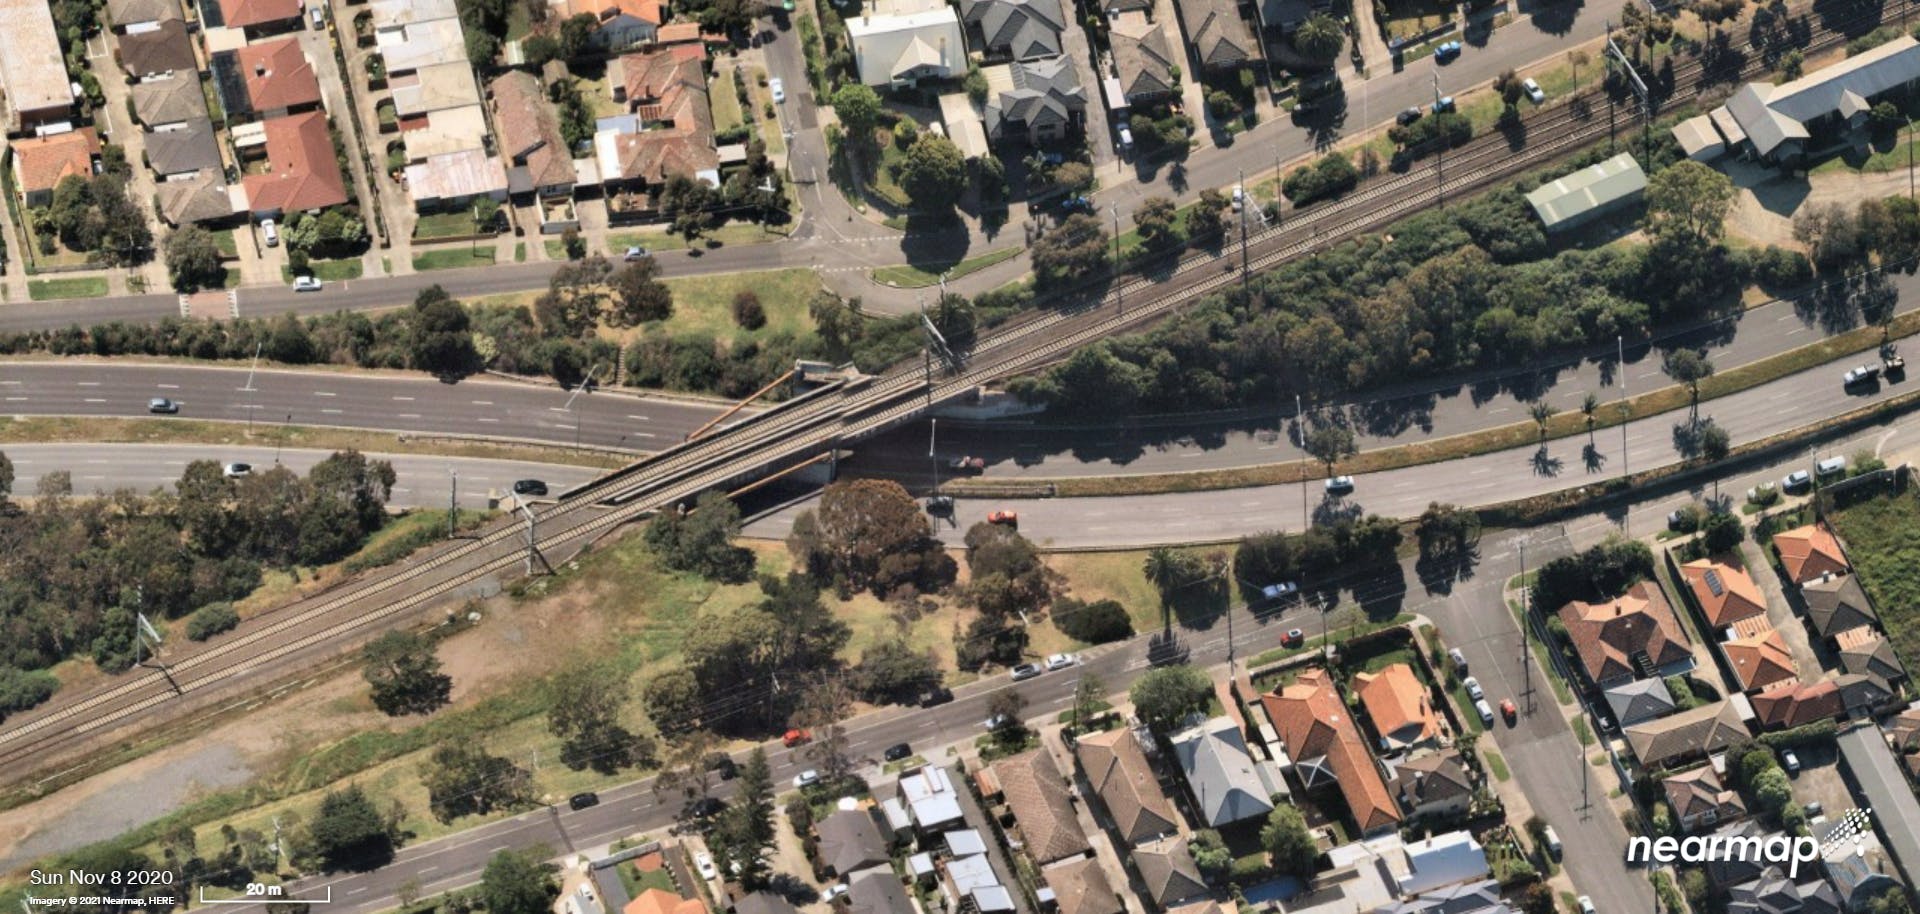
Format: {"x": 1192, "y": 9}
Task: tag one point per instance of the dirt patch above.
{"x": 512, "y": 645}
{"x": 650, "y": 863}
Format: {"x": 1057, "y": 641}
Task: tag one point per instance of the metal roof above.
{"x": 1588, "y": 190}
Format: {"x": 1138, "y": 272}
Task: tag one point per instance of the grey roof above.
{"x": 1771, "y": 893}
{"x": 185, "y": 149}
{"x": 133, "y": 12}
{"x": 1588, "y": 191}
{"x": 1639, "y": 700}
{"x": 850, "y": 841}
{"x": 1028, "y": 29}
{"x": 878, "y": 893}
{"x": 1285, "y": 15}
{"x": 170, "y": 100}
{"x": 1874, "y": 658}
{"x": 1433, "y": 778}
{"x": 1167, "y": 868}
{"x": 1045, "y": 93}
{"x": 1703, "y": 730}
{"x": 1143, "y": 57}
{"x": 1698, "y": 138}
{"x": 1865, "y": 755}
{"x": 201, "y": 198}
{"x": 1773, "y": 115}
{"x": 1863, "y": 691}
{"x": 1220, "y": 773}
{"x": 165, "y": 49}
{"x": 1216, "y": 32}
{"x": 1466, "y": 898}
{"x": 764, "y": 903}
{"x": 1836, "y": 603}
{"x": 1728, "y": 870}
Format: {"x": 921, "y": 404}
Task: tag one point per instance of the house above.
{"x": 850, "y": 841}
{"x": 1699, "y": 800}
{"x": 1435, "y": 784}
{"x": 1167, "y": 870}
{"x": 189, "y": 199}
{"x": 1701, "y": 731}
{"x": 1013, "y": 29}
{"x": 1227, "y": 785}
{"x": 621, "y": 23}
{"x": 1036, "y": 100}
{"x": 1835, "y": 603}
{"x": 183, "y": 149}
{"x": 253, "y": 18}
{"x": 1724, "y": 592}
{"x": 1400, "y": 707}
{"x": 1216, "y": 34}
{"x": 1361, "y": 878}
{"x": 1584, "y": 195}
{"x": 139, "y": 15}
{"x": 39, "y": 163}
{"x": 1774, "y": 893}
{"x": 1326, "y": 748}
{"x": 764, "y": 902}
{"x": 971, "y": 882}
{"x": 1080, "y": 886}
{"x": 1864, "y": 651}
{"x": 302, "y": 174}
{"x": 420, "y": 44}
{"x": 1699, "y": 139}
{"x": 1724, "y": 871}
{"x": 391, "y": 17}
{"x": 1862, "y": 695}
{"x": 1758, "y": 655}
{"x": 899, "y": 51}
{"x": 878, "y": 892}
{"x": 158, "y": 51}
{"x": 528, "y": 133}
{"x": 1118, "y": 771}
{"x": 1809, "y": 552}
{"x": 1280, "y": 18}
{"x": 442, "y": 132}
{"x": 1862, "y": 872}
{"x": 169, "y": 100}
{"x": 1443, "y": 860}
{"x": 1778, "y": 123}
{"x": 661, "y": 901}
{"x": 265, "y": 80}
{"x": 33, "y": 72}
{"x": 1481, "y": 897}
{"x": 1634, "y": 635}
{"x": 453, "y": 180}
{"x": 1042, "y": 808}
{"x": 1795, "y": 703}
{"x": 962, "y": 121}
{"x": 1143, "y": 59}
{"x": 1638, "y": 700}
{"x": 673, "y": 125}
{"x": 930, "y": 799}
{"x": 433, "y": 88}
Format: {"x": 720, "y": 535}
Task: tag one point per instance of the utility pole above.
{"x": 249, "y": 387}
{"x": 933, "y": 438}
{"x": 1626, "y": 407}
{"x": 1246, "y": 201}
{"x": 1119, "y": 293}
{"x": 1300, "y": 425}
{"x": 1526, "y": 625}
{"x": 453, "y": 501}
{"x": 582, "y": 386}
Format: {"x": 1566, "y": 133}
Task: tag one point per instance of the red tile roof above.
{"x": 644, "y": 10}
{"x": 1724, "y": 591}
{"x": 1397, "y": 701}
{"x": 1791, "y": 704}
{"x": 1607, "y": 635}
{"x": 244, "y": 13}
{"x": 668, "y": 89}
{"x": 1809, "y": 552}
{"x": 1314, "y": 724}
{"x": 661, "y": 901}
{"x": 302, "y": 172}
{"x": 529, "y": 131}
{"x": 41, "y": 162}
{"x": 1760, "y": 660}
{"x": 278, "y": 75}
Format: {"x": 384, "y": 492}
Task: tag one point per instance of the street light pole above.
{"x": 1246, "y": 200}
{"x": 1119, "y": 293}
{"x": 933, "y": 438}
{"x": 1626, "y": 408}
{"x": 1300, "y": 426}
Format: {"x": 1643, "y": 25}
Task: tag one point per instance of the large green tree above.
{"x": 1688, "y": 200}
{"x": 193, "y": 259}
{"x": 518, "y": 882}
{"x": 584, "y": 714}
{"x": 347, "y": 832}
{"x": 934, "y": 174}
{"x": 870, "y": 534}
{"x": 744, "y": 833}
{"x": 1287, "y": 840}
{"x": 1167, "y": 695}
{"x": 463, "y": 780}
{"x": 858, "y": 109}
{"x": 404, "y": 674}
{"x": 1072, "y": 253}
{"x": 1320, "y": 37}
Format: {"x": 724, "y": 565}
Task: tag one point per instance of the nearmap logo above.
{"x": 1848, "y": 837}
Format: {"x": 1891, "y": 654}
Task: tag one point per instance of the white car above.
{"x": 1533, "y": 91}
{"x": 703, "y": 862}
{"x": 1832, "y": 466}
{"x": 1586, "y": 905}
{"x": 307, "y": 284}
{"x": 1473, "y": 688}
{"x": 319, "y": 16}
{"x": 1279, "y": 590}
{"x": 237, "y": 470}
{"x": 269, "y": 232}
{"x": 834, "y": 891}
{"x": 1339, "y": 485}
{"x": 1859, "y": 375}
{"x": 1025, "y": 671}
{"x": 1485, "y": 711}
{"x": 1239, "y": 197}
{"x": 1060, "y": 661}
{"x": 779, "y": 90}
{"x": 806, "y": 778}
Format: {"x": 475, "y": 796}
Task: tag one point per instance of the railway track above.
{"x": 287, "y": 638}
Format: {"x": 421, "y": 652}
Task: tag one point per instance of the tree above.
{"x": 193, "y": 259}
{"x": 748, "y": 313}
{"x": 1073, "y": 253}
{"x": 934, "y": 174}
{"x": 1688, "y": 200}
{"x": 701, "y": 540}
{"x": 1891, "y": 901}
{"x": 1089, "y": 696}
{"x": 1588, "y": 407}
{"x": 1168, "y": 695}
{"x": 1319, "y": 38}
{"x": 870, "y": 534}
{"x": 837, "y": 322}
{"x": 954, "y": 317}
{"x": 895, "y": 671}
{"x": 1446, "y": 531}
{"x": 824, "y": 709}
{"x": 1005, "y": 709}
{"x": 212, "y": 619}
{"x": 1689, "y": 367}
{"x": 1210, "y": 854}
{"x": 674, "y": 701}
{"x": 858, "y": 109}
{"x": 1721, "y": 532}
{"x": 1156, "y": 218}
{"x": 441, "y": 342}
{"x": 1093, "y": 623}
{"x": 463, "y": 780}
{"x": 690, "y": 203}
{"x": 1542, "y": 413}
{"x": 744, "y": 831}
{"x": 405, "y": 675}
{"x": 348, "y": 833}
{"x": 1508, "y": 85}
{"x": 639, "y": 294}
{"x": 1208, "y": 218}
{"x": 1287, "y": 840}
{"x": 6, "y": 476}
{"x": 518, "y": 882}
{"x": 1330, "y": 443}
{"x": 1537, "y": 899}
{"x": 584, "y": 713}
{"x": 1714, "y": 443}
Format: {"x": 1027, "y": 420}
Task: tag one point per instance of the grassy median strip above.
{"x": 53, "y": 429}
{"x": 1472, "y": 444}
{"x": 72, "y": 287}
{"x": 907, "y": 276}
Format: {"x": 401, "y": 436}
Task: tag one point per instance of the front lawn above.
{"x": 725, "y": 101}
{"x": 1406, "y": 18}
{"x": 444, "y": 225}
{"x": 1882, "y": 536}
{"x": 228, "y": 244}
{"x": 75, "y": 287}
{"x": 330, "y": 270}
{"x": 451, "y": 258}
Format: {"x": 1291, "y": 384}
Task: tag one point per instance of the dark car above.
{"x": 1447, "y": 50}
{"x": 938, "y": 695}
{"x": 706, "y": 807}
{"x": 162, "y": 405}
{"x": 1408, "y": 116}
{"x": 722, "y": 764}
{"x": 529, "y": 487}
{"x": 583, "y": 800}
{"x": 940, "y": 505}
{"x": 897, "y": 751}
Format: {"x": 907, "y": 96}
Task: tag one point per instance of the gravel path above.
{"x": 110, "y": 806}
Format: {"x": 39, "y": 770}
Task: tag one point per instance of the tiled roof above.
{"x": 1863, "y": 651}
{"x": 1028, "y": 29}
{"x": 1216, "y": 32}
{"x": 302, "y": 171}
{"x": 202, "y": 198}
{"x": 244, "y": 13}
{"x": 1641, "y": 699}
{"x": 1037, "y": 795}
{"x": 1142, "y": 55}
{"x": 189, "y": 148}
{"x": 850, "y": 841}
{"x": 1699, "y": 792}
{"x": 1118, "y": 770}
{"x": 169, "y": 101}
{"x": 677, "y": 32}
{"x": 661, "y": 901}
{"x": 133, "y": 12}
{"x": 163, "y": 50}
{"x": 668, "y": 89}
{"x": 1608, "y": 635}
{"x": 1080, "y": 886}
{"x": 40, "y": 162}
{"x": 1434, "y": 778}
{"x": 1836, "y": 603}
{"x": 1324, "y": 744}
{"x": 1725, "y": 592}
{"x": 1809, "y": 552}
{"x": 1791, "y": 704}
{"x": 1045, "y": 93}
{"x": 1759, "y": 660}
{"x": 1168, "y": 869}
{"x": 1398, "y": 703}
{"x": 602, "y": 10}
{"x": 1704, "y": 729}
{"x": 529, "y": 132}
{"x": 278, "y": 75}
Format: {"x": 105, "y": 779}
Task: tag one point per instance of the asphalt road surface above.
{"x": 413, "y": 403}
{"x": 419, "y": 481}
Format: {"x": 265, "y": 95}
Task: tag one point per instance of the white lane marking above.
{"x": 407, "y": 416}
{"x": 559, "y": 409}
{"x": 15, "y": 399}
{"x": 322, "y": 393}
{"x": 638, "y": 418}
{"x": 331, "y": 412}
{"x": 486, "y": 419}
{"x": 635, "y": 434}
{"x": 9, "y": 383}
{"x": 95, "y": 400}
{"x": 407, "y": 399}
{"x": 483, "y": 402}
{"x": 168, "y": 386}
{"x": 88, "y": 383}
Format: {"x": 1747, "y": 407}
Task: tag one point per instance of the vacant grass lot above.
{"x": 452, "y": 258}
{"x": 330, "y": 270}
{"x": 704, "y": 304}
{"x": 1883, "y": 537}
{"x": 74, "y": 287}
{"x": 444, "y": 225}
{"x": 907, "y": 276}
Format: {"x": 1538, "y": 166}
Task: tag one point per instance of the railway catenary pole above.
{"x": 1246, "y": 201}
{"x": 1119, "y": 287}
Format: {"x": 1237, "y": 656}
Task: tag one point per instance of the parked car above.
{"x": 634, "y": 252}
{"x": 1761, "y": 493}
{"x": 1239, "y": 197}
{"x": 896, "y": 752}
{"x": 1443, "y": 105}
{"x": 1008, "y": 518}
{"x": 703, "y": 864}
{"x": 1796, "y": 480}
{"x": 795, "y": 737}
{"x": 1408, "y": 116}
{"x": 1533, "y": 91}
{"x": 839, "y": 888}
{"x": 269, "y": 232}
{"x": 806, "y": 779}
{"x": 779, "y": 90}
{"x": 1859, "y": 374}
{"x": 1554, "y": 848}
{"x": 967, "y": 464}
{"x": 318, "y": 15}
{"x": 1280, "y": 590}
{"x": 1293, "y": 638}
{"x": 1339, "y": 485}
{"x": 1678, "y": 518}
{"x": 583, "y": 800}
{"x": 1126, "y": 137}
{"x": 1025, "y": 671}
{"x": 1790, "y": 761}
{"x": 1485, "y": 711}
{"x": 1508, "y": 711}
{"x": 162, "y": 405}
{"x": 1077, "y": 204}
{"x": 1814, "y": 809}
{"x": 1459, "y": 658}
{"x": 1060, "y": 661}
{"x": 237, "y": 470}
{"x": 1586, "y": 905}
{"x": 1832, "y": 466}
{"x": 307, "y": 284}
{"x": 1446, "y": 51}
{"x": 529, "y": 487}
{"x": 1474, "y": 691}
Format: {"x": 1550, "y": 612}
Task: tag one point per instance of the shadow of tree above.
{"x": 1592, "y": 459}
{"x": 1545, "y": 464}
{"x": 1440, "y": 570}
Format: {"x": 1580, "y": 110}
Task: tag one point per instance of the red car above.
{"x": 1293, "y": 638}
{"x": 795, "y": 737}
{"x": 1507, "y": 710}
{"x": 1009, "y": 518}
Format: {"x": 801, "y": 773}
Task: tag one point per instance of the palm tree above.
{"x": 1689, "y": 367}
{"x": 1162, "y": 568}
{"x": 1588, "y": 407}
{"x": 1541, "y": 411}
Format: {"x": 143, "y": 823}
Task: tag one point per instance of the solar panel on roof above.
{"x": 1714, "y": 584}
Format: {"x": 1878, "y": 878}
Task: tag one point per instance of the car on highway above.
{"x": 583, "y": 800}
{"x": 723, "y": 765}
{"x": 1340, "y": 485}
{"x": 1485, "y": 711}
{"x": 806, "y": 779}
{"x": 779, "y": 90}
{"x": 1832, "y": 466}
{"x": 1796, "y": 480}
{"x": 162, "y": 405}
{"x": 997, "y": 721}
{"x": 1279, "y": 590}
{"x": 1408, "y": 116}
{"x": 529, "y": 487}
{"x": 967, "y": 464}
{"x": 1459, "y": 658}
{"x": 795, "y": 737}
{"x": 703, "y": 863}
{"x": 1859, "y": 374}
{"x": 634, "y": 252}
{"x": 1024, "y": 671}
{"x": 1443, "y": 105}
{"x": 1005, "y": 518}
{"x": 1533, "y": 91}
{"x": 1508, "y": 711}
{"x": 1293, "y": 638}
{"x": 1060, "y": 661}
{"x": 896, "y": 752}
{"x": 1446, "y": 51}
{"x": 1077, "y": 204}
{"x": 237, "y": 470}
{"x": 307, "y": 284}
{"x": 936, "y": 696}
{"x": 1474, "y": 691}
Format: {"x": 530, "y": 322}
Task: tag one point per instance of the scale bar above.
{"x": 263, "y": 899}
